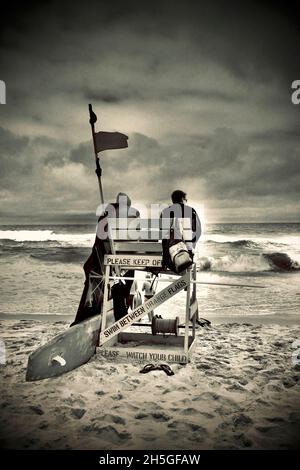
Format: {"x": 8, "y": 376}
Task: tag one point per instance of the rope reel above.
{"x": 165, "y": 326}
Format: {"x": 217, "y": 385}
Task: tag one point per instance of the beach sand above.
{"x": 241, "y": 390}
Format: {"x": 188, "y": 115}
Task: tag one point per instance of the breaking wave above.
{"x": 249, "y": 263}
{"x": 46, "y": 236}
{"x": 225, "y": 253}
{"x": 281, "y": 262}
{"x": 236, "y": 243}
{"x": 62, "y": 255}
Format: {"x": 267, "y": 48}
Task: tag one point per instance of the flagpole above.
{"x": 98, "y": 171}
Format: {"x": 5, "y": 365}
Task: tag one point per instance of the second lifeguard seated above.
{"x": 182, "y": 228}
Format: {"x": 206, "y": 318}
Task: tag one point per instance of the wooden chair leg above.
{"x": 187, "y": 316}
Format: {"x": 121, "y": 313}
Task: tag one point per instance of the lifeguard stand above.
{"x": 139, "y": 247}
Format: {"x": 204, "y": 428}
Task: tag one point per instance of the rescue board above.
{"x": 66, "y": 351}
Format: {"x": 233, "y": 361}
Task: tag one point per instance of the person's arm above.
{"x": 166, "y": 221}
{"x": 196, "y": 226}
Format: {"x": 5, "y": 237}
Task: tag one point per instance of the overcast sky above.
{"x": 203, "y": 91}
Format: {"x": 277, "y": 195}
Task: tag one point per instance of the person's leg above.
{"x": 120, "y": 308}
{"x": 150, "y": 316}
{"x": 151, "y": 313}
{"x": 129, "y": 301}
{"x": 84, "y": 311}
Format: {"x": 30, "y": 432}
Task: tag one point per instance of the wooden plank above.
{"x": 142, "y": 229}
{"x": 187, "y": 314}
{"x": 146, "y": 307}
{"x": 146, "y": 234}
{"x": 194, "y": 309}
{"x": 144, "y": 354}
{"x": 143, "y": 223}
{"x": 138, "y": 247}
{"x": 148, "y": 338}
{"x": 105, "y": 298}
{"x": 132, "y": 223}
{"x": 192, "y": 345}
{"x": 152, "y": 348}
{"x": 133, "y": 260}
{"x": 135, "y": 235}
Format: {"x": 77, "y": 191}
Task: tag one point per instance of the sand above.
{"x": 240, "y": 391}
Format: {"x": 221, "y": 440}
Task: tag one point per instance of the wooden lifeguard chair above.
{"x": 139, "y": 247}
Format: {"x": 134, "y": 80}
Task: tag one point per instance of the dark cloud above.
{"x": 201, "y": 88}
{"x": 104, "y": 97}
{"x": 224, "y": 168}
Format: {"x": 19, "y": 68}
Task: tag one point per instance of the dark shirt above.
{"x": 181, "y": 211}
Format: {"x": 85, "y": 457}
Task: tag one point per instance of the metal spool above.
{"x": 165, "y": 326}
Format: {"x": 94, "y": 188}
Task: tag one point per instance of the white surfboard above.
{"x": 66, "y": 351}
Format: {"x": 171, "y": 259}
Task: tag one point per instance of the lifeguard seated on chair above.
{"x": 92, "y": 295}
{"x": 178, "y": 248}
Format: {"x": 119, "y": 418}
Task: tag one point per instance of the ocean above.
{"x": 42, "y": 270}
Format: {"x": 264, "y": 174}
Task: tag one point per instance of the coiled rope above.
{"x": 165, "y": 326}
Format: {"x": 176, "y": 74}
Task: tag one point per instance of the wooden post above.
{"x": 105, "y": 298}
{"x": 194, "y": 297}
{"x": 187, "y": 315}
{"x": 93, "y": 120}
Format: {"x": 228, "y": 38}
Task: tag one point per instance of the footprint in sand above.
{"x": 203, "y": 366}
{"x": 242, "y": 420}
{"x": 275, "y": 419}
{"x": 263, "y": 402}
{"x": 36, "y": 409}
{"x": 149, "y": 438}
{"x": 243, "y": 440}
{"x": 160, "y": 416}
{"x": 156, "y": 415}
{"x": 3, "y": 405}
{"x": 191, "y": 431}
{"x": 141, "y": 415}
{"x": 235, "y": 388}
{"x": 290, "y": 382}
{"x": 107, "y": 433}
{"x": 113, "y": 419}
{"x": 207, "y": 396}
{"x": 188, "y": 426}
{"x": 181, "y": 388}
{"x": 136, "y": 381}
{"x": 117, "y": 396}
{"x": 74, "y": 401}
{"x": 78, "y": 413}
{"x": 265, "y": 429}
{"x": 274, "y": 387}
{"x": 189, "y": 411}
{"x": 206, "y": 415}
{"x": 125, "y": 405}
{"x": 44, "y": 425}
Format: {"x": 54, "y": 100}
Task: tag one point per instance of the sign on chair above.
{"x": 142, "y": 310}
